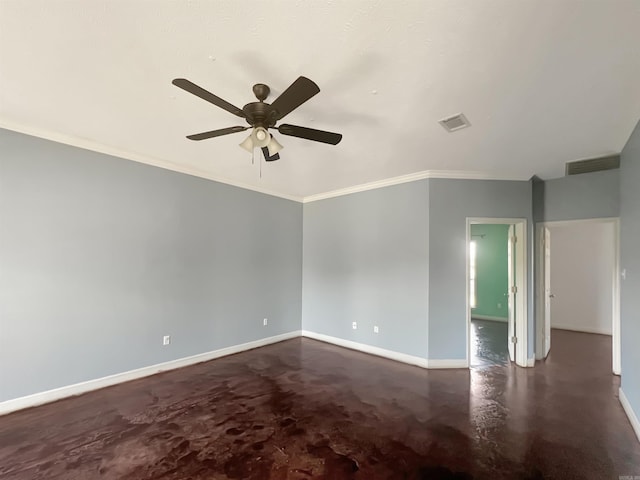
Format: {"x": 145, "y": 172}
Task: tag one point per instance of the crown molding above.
{"x": 412, "y": 177}
{"x": 167, "y": 165}
{"x": 115, "y": 152}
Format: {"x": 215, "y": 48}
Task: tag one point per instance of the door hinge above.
{"x": 514, "y": 239}
{"x": 514, "y": 289}
{"x": 514, "y": 339}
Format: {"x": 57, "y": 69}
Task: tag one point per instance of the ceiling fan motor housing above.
{"x": 260, "y": 114}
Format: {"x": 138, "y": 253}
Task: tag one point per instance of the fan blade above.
{"x": 216, "y": 133}
{"x": 310, "y": 134}
{"x": 265, "y": 152}
{"x": 298, "y": 92}
{"x": 194, "y": 89}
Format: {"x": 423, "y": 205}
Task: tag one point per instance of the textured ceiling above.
{"x": 542, "y": 83}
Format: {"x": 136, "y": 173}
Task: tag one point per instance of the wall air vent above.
{"x": 455, "y": 122}
{"x": 592, "y": 165}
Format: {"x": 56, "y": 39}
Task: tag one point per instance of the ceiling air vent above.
{"x": 592, "y": 165}
{"x": 455, "y": 122}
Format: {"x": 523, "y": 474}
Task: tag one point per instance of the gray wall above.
{"x": 451, "y": 202}
{"x": 537, "y": 197}
{"x": 366, "y": 260}
{"x": 630, "y": 261}
{"x": 100, "y": 257}
{"x": 588, "y": 195}
{"x": 395, "y": 257}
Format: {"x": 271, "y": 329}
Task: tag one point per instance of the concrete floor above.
{"x": 303, "y": 409}
{"x": 489, "y": 343}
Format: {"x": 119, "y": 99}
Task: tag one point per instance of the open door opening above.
{"x": 496, "y": 286}
{"x": 578, "y": 281}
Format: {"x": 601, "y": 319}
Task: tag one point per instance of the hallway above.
{"x": 302, "y": 409}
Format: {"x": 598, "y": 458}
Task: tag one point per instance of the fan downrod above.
{"x": 261, "y": 91}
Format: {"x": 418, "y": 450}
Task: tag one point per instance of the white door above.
{"x": 511, "y": 294}
{"x": 547, "y": 291}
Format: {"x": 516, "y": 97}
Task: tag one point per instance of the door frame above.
{"x": 615, "y": 290}
{"x": 521, "y": 266}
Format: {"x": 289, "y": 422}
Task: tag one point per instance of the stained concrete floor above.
{"x": 489, "y": 345}
{"x": 302, "y": 409}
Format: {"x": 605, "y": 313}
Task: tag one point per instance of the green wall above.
{"x": 491, "y": 269}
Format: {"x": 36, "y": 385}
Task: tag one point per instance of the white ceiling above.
{"x": 543, "y": 82}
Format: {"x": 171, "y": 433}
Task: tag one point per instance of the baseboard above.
{"x": 48, "y": 396}
{"x": 363, "y": 347}
{"x": 446, "y": 363}
{"x": 599, "y": 331}
{"x": 489, "y": 317}
{"x": 53, "y": 395}
{"x": 628, "y": 409}
{"x": 531, "y": 362}
{"x": 382, "y": 352}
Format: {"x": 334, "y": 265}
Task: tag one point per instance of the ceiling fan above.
{"x": 262, "y": 116}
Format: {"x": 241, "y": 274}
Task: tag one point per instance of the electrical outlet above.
{"x": 376, "y": 329}
{"x": 265, "y": 322}
{"x": 499, "y": 305}
{"x": 166, "y": 340}
{"x": 354, "y": 325}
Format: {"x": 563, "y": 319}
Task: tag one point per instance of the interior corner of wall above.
{"x": 631, "y": 413}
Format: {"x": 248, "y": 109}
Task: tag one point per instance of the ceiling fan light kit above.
{"x": 273, "y": 146}
{"x": 261, "y": 138}
{"x": 262, "y": 116}
{"x": 247, "y": 144}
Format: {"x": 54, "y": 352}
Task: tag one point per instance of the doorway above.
{"x": 489, "y": 272}
{"x": 497, "y": 313}
{"x": 578, "y": 281}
